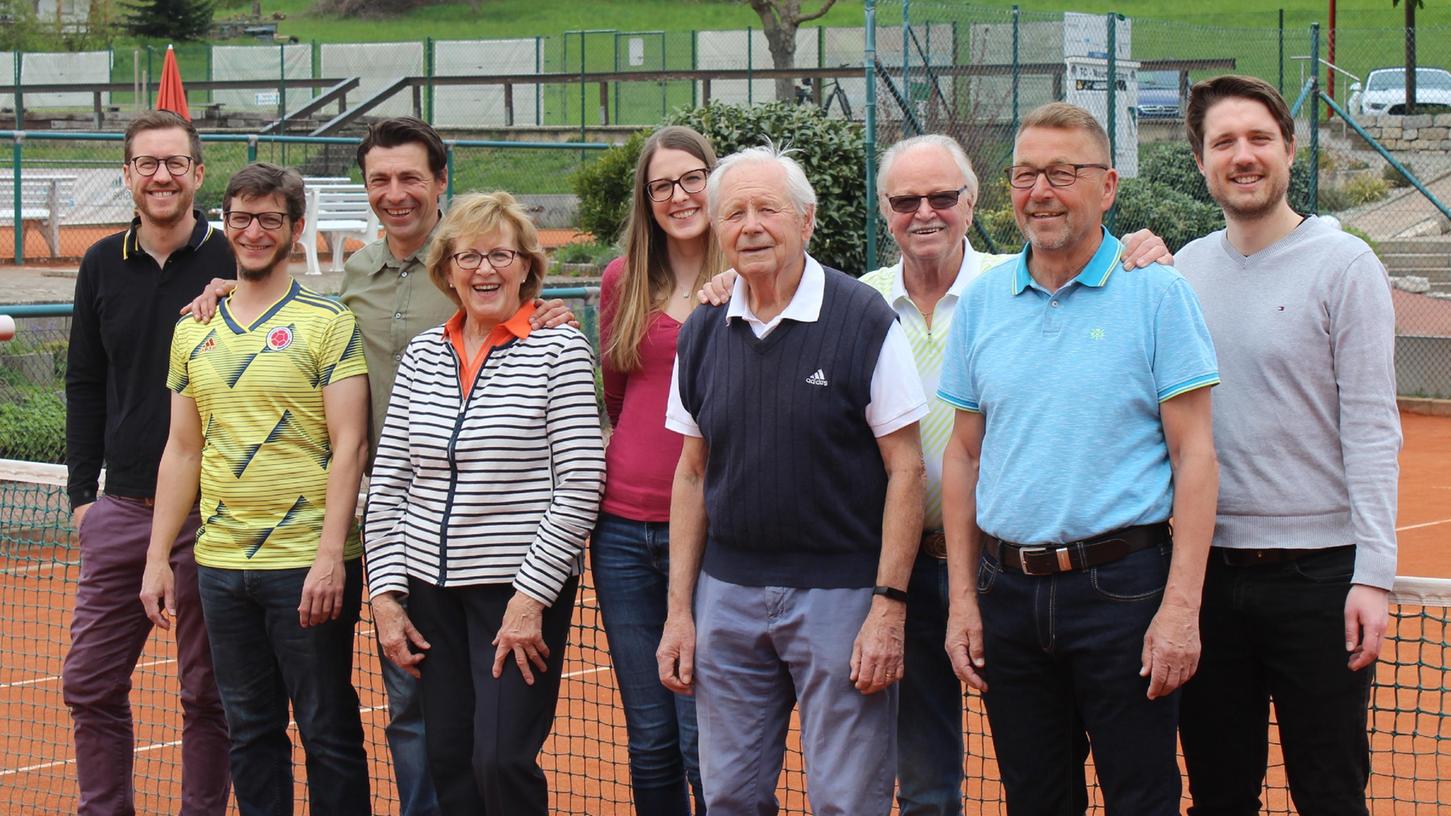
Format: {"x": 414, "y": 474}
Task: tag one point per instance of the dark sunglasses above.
{"x": 941, "y": 200}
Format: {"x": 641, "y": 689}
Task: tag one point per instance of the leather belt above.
{"x": 1052, "y": 559}
{"x": 1238, "y": 557}
{"x": 934, "y": 543}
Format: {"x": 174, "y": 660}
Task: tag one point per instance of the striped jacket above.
{"x": 502, "y": 488}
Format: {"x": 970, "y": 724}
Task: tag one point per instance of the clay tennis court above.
{"x": 585, "y": 757}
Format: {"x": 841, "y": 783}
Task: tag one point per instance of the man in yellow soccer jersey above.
{"x": 270, "y": 417}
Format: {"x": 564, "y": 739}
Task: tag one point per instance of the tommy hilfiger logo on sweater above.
{"x": 819, "y": 378}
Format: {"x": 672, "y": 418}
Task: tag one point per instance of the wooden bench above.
{"x": 337, "y": 212}
{"x": 44, "y": 201}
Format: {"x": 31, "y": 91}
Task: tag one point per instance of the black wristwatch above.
{"x": 890, "y": 593}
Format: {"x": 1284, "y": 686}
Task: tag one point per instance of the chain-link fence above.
{"x": 1365, "y": 157}
{"x": 70, "y": 191}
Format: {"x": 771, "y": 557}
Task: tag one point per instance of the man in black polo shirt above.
{"x": 128, "y": 292}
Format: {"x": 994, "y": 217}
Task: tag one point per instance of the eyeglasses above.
{"x": 240, "y": 221}
{"x": 1024, "y": 176}
{"x": 148, "y": 165}
{"x": 940, "y": 200}
{"x": 469, "y": 260}
{"x": 663, "y": 189}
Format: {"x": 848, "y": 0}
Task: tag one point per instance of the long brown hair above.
{"x": 647, "y": 281}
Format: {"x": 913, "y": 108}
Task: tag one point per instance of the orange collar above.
{"x": 468, "y": 370}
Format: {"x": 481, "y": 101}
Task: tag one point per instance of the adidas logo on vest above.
{"x": 819, "y": 378}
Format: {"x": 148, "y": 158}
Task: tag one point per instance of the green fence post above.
{"x": 15, "y": 156}
{"x": 906, "y": 51}
{"x": 209, "y": 72}
{"x": 539, "y": 83}
{"x": 282, "y": 92}
{"x": 694, "y": 66}
{"x": 664, "y": 83}
{"x": 1112, "y": 22}
{"x": 146, "y": 86}
{"x": 251, "y": 149}
{"x": 1314, "y": 203}
{"x": 750, "y": 86}
{"x": 428, "y": 69}
{"x": 448, "y": 188}
{"x": 581, "y": 86}
{"x": 1281, "y": 84}
{"x": 616, "y": 83}
{"x": 870, "y": 145}
{"x": 1017, "y": 13}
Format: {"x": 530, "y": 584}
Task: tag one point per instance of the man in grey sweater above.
{"x": 1307, "y": 432}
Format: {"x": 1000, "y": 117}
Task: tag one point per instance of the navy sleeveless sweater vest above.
{"x": 794, "y": 483}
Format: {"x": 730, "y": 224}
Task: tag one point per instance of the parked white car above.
{"x": 1385, "y": 91}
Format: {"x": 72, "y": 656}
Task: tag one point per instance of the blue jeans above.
{"x": 1277, "y": 632}
{"x": 630, "y": 562}
{"x": 407, "y": 740}
{"x": 1063, "y": 657}
{"x": 263, "y": 659}
{"x": 929, "y": 714}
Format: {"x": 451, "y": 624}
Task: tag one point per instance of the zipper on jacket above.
{"x": 458, "y": 425}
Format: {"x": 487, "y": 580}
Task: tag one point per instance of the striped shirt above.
{"x": 499, "y": 486}
{"x": 928, "y": 342}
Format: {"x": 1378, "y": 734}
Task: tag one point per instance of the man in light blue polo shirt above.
{"x": 1083, "y": 424}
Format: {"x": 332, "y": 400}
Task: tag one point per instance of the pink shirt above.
{"x": 640, "y": 460}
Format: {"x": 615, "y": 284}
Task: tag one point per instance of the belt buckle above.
{"x": 1024, "y": 553}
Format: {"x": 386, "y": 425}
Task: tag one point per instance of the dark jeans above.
{"x": 1277, "y": 633}
{"x": 929, "y": 713}
{"x": 1063, "y": 657}
{"x": 108, "y": 631}
{"x": 264, "y": 659}
{"x": 406, "y": 741}
{"x": 485, "y": 733}
{"x": 630, "y": 562}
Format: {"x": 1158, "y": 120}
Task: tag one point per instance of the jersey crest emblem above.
{"x": 279, "y": 338}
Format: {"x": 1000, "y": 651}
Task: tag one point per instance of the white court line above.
{"x": 54, "y": 677}
{"x": 582, "y": 672}
{"x": 71, "y": 761}
{"x": 1426, "y": 524}
{"x": 33, "y": 568}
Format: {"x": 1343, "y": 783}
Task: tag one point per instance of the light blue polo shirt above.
{"x": 1070, "y": 383}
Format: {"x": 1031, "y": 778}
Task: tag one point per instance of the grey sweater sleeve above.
{"x": 1362, "y": 335}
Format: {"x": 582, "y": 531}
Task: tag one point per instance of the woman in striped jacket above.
{"x": 486, "y": 483}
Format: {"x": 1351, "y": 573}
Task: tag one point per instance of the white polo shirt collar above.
{"x": 805, "y": 305}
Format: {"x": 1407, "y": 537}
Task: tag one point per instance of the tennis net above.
{"x": 585, "y": 757}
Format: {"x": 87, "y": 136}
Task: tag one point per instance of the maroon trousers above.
{"x": 108, "y": 632}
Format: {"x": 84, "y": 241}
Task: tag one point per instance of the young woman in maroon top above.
{"x": 669, "y": 253}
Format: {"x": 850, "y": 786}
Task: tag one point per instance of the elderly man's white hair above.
{"x": 947, "y": 143}
{"x": 798, "y": 187}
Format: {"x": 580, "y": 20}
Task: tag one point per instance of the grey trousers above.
{"x": 758, "y": 652}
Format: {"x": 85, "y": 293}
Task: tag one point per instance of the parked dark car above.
{"x": 1159, "y": 95}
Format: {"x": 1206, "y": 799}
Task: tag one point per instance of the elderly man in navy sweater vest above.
{"x": 796, "y": 510}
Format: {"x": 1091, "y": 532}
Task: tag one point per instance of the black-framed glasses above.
{"x": 240, "y": 221}
{"x": 148, "y": 165}
{"x": 940, "y": 200}
{"x": 469, "y": 260}
{"x": 662, "y": 189}
{"x": 1024, "y": 176}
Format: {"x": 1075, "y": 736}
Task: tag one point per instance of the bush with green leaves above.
{"x": 831, "y": 151}
{"x": 604, "y": 186}
{"x": 32, "y": 425}
{"x": 1175, "y": 216}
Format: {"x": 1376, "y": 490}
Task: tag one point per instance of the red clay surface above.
{"x": 585, "y": 758}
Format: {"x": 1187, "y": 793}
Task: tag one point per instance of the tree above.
{"x": 779, "y": 21}
{"x": 1411, "y": 5}
{"x": 169, "y": 19}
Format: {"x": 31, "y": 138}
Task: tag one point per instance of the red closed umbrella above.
{"x": 170, "y": 95}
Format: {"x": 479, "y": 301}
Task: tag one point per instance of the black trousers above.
{"x": 1277, "y": 633}
{"x": 484, "y": 734}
